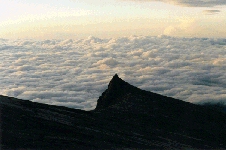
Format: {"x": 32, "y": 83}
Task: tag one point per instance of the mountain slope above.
{"x": 125, "y": 117}
{"x": 170, "y": 115}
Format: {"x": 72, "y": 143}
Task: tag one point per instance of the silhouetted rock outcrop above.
{"x": 125, "y": 117}
{"x": 117, "y": 88}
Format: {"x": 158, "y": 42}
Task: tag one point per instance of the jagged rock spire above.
{"x": 110, "y": 95}
{"x": 115, "y": 82}
{"x": 115, "y": 76}
{"x": 116, "y": 89}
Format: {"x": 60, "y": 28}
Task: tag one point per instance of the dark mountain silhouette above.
{"x": 125, "y": 117}
{"x": 220, "y": 106}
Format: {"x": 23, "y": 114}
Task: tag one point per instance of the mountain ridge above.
{"x": 118, "y": 88}
{"x": 125, "y": 117}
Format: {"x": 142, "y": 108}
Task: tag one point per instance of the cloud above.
{"x": 25, "y": 68}
{"x": 190, "y": 3}
{"x": 106, "y": 62}
{"x": 219, "y": 62}
{"x": 185, "y": 27}
{"x": 74, "y": 73}
{"x": 211, "y": 12}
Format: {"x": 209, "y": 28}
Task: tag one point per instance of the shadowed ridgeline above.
{"x": 125, "y": 117}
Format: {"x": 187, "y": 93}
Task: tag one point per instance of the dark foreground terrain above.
{"x": 125, "y": 117}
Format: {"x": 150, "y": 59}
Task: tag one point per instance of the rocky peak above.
{"x": 117, "y": 89}
{"x": 116, "y": 84}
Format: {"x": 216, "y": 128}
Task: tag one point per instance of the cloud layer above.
{"x": 191, "y": 3}
{"x": 74, "y": 73}
{"x": 210, "y": 12}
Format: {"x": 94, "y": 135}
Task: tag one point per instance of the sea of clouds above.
{"x": 74, "y": 73}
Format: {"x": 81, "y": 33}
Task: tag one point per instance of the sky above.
{"x": 60, "y": 19}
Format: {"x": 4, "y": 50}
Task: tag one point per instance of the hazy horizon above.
{"x": 49, "y": 19}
